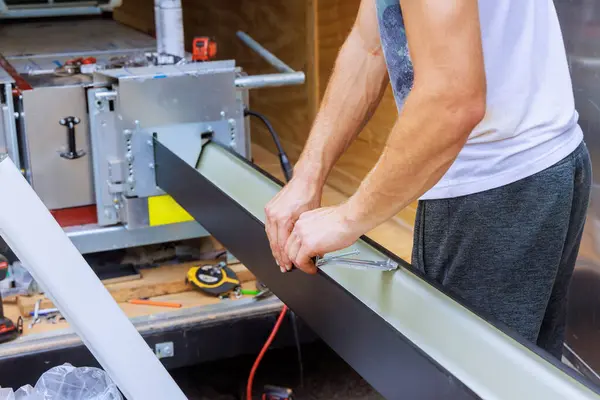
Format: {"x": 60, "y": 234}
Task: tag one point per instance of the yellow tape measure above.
{"x": 213, "y": 279}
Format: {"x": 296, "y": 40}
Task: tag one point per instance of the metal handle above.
{"x": 264, "y": 53}
{"x": 287, "y": 76}
{"x": 72, "y": 153}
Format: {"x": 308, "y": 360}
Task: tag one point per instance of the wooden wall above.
{"x": 307, "y": 35}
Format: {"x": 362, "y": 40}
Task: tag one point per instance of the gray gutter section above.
{"x": 491, "y": 363}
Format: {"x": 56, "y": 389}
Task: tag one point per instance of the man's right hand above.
{"x": 282, "y": 212}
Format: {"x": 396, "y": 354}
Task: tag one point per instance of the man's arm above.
{"x": 353, "y": 93}
{"x": 445, "y": 105}
{"x": 447, "y": 101}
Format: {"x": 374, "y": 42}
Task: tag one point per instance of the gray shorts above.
{"x": 509, "y": 252}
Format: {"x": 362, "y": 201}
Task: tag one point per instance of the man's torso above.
{"x": 530, "y": 122}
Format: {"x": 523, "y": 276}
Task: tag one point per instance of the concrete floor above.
{"x": 326, "y": 377}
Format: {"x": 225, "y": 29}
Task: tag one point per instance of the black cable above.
{"x": 298, "y": 347}
{"x": 286, "y": 166}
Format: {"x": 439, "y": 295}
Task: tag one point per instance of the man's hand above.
{"x": 355, "y": 89}
{"x": 283, "y": 211}
{"x": 318, "y": 232}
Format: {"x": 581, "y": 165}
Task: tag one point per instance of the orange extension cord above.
{"x": 282, "y": 314}
{"x": 287, "y": 173}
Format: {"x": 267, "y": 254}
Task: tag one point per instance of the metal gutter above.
{"x": 403, "y": 334}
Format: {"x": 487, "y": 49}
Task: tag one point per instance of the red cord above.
{"x": 263, "y": 351}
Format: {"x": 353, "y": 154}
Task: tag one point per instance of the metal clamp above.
{"x": 286, "y": 77}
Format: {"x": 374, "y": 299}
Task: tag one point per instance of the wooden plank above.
{"x": 188, "y": 299}
{"x": 312, "y": 58}
{"x": 119, "y": 279}
{"x": 137, "y": 14}
{"x": 155, "y": 282}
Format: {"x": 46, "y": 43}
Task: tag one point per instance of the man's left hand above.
{"x": 318, "y": 232}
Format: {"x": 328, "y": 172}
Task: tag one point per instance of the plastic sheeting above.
{"x": 66, "y": 382}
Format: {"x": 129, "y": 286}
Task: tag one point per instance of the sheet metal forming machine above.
{"x": 83, "y": 140}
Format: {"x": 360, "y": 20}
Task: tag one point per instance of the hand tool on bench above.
{"x": 8, "y": 330}
{"x": 215, "y": 280}
{"x": 36, "y": 314}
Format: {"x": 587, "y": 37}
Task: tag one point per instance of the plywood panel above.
{"x": 138, "y": 14}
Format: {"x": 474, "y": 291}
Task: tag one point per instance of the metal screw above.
{"x": 151, "y": 165}
{"x": 223, "y": 114}
{"x": 165, "y": 349}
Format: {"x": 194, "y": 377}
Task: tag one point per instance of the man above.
{"x": 486, "y": 138}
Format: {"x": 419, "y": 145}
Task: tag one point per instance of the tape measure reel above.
{"x": 215, "y": 280}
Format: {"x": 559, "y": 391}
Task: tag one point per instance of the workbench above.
{"x": 192, "y": 329}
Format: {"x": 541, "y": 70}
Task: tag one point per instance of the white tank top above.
{"x": 530, "y": 122}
